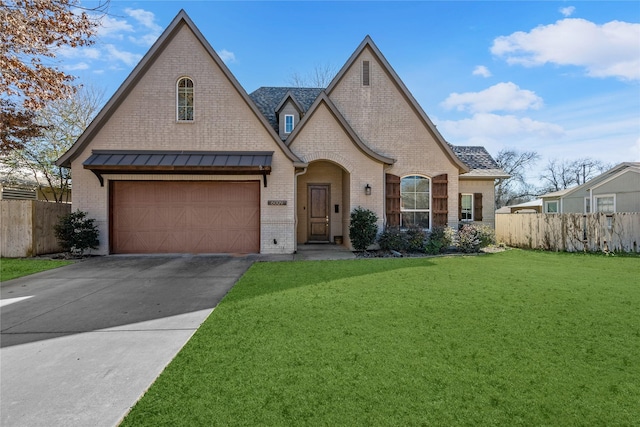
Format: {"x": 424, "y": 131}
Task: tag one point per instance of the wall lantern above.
{"x": 367, "y": 190}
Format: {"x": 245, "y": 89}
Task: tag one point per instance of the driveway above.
{"x": 80, "y": 344}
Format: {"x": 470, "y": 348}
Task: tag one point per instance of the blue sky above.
{"x": 560, "y": 78}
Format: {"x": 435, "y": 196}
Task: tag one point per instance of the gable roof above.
{"x": 598, "y": 180}
{"x": 270, "y": 99}
{"x": 181, "y": 20}
{"x": 324, "y": 99}
{"x": 479, "y": 161}
{"x": 368, "y": 43}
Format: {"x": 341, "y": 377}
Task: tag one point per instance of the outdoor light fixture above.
{"x": 367, "y": 190}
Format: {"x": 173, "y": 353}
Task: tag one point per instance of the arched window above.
{"x": 415, "y": 201}
{"x": 185, "y": 100}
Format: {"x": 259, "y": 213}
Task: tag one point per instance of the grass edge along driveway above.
{"x": 12, "y": 268}
{"x": 516, "y": 338}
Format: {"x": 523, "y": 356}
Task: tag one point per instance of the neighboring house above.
{"x": 532, "y": 206}
{"x": 616, "y": 190}
{"x": 182, "y": 159}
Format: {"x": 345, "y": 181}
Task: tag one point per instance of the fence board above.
{"x": 619, "y": 232}
{"x": 26, "y": 227}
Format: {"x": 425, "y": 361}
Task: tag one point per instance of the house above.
{"x": 182, "y": 160}
{"x": 532, "y": 206}
{"x": 616, "y": 190}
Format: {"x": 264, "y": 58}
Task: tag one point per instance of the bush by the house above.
{"x": 416, "y": 238}
{"x": 392, "y": 239}
{"x": 363, "y": 228}
{"x": 473, "y": 237}
{"x": 439, "y": 240}
{"x": 76, "y": 233}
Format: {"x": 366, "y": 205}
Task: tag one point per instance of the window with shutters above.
{"x": 415, "y": 201}
{"x": 185, "y": 100}
{"x": 466, "y": 207}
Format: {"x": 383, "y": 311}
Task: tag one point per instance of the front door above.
{"x": 318, "y": 202}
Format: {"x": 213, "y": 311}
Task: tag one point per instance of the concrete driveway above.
{"x": 80, "y": 344}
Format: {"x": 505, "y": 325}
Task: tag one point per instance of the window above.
{"x": 551, "y": 206}
{"x": 288, "y": 123}
{"x": 415, "y": 201}
{"x": 605, "y": 204}
{"x": 185, "y": 100}
{"x": 466, "y": 203}
{"x": 587, "y": 205}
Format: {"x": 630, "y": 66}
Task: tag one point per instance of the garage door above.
{"x": 185, "y": 217}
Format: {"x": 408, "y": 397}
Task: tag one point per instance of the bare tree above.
{"x": 515, "y": 189}
{"x": 30, "y": 32}
{"x": 62, "y": 122}
{"x": 320, "y": 76}
{"x": 560, "y": 174}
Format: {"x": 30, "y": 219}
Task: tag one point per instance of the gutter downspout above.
{"x": 295, "y": 207}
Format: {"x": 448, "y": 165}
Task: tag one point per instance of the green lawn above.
{"x": 11, "y": 268}
{"x": 515, "y": 338}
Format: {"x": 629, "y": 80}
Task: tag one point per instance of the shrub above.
{"x": 469, "y": 238}
{"x": 487, "y": 235}
{"x": 392, "y": 239}
{"x": 363, "y": 228}
{"x": 415, "y": 239}
{"x": 76, "y": 233}
{"x": 439, "y": 240}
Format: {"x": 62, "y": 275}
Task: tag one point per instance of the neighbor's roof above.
{"x": 479, "y": 161}
{"x": 267, "y": 99}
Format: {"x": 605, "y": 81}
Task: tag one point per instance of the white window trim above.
{"x": 178, "y": 100}
{"x": 472, "y": 207}
{"x": 430, "y": 210}
{"x": 548, "y": 202}
{"x": 293, "y": 122}
{"x": 603, "y": 196}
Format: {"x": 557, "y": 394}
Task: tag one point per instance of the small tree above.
{"x": 363, "y": 228}
{"x": 77, "y": 233}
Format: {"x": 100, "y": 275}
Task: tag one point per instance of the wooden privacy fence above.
{"x": 26, "y": 227}
{"x": 571, "y": 232}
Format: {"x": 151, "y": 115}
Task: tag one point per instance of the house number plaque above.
{"x": 277, "y": 202}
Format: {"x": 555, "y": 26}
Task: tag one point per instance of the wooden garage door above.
{"x": 185, "y": 217}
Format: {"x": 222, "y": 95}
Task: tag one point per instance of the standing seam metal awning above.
{"x": 179, "y": 162}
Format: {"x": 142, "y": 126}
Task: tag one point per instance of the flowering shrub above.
{"x": 473, "y": 237}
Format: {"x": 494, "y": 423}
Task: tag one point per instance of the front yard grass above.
{"x": 12, "y": 268}
{"x": 515, "y": 338}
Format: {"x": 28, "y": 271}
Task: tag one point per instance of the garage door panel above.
{"x": 185, "y": 217}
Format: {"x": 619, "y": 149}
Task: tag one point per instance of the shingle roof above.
{"x": 479, "y": 161}
{"x": 267, "y": 100}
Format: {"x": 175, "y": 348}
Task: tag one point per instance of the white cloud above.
{"x": 608, "y": 50}
{"x": 145, "y": 18}
{"x": 481, "y": 70}
{"x": 146, "y": 40}
{"x": 76, "y": 67}
{"x": 78, "y": 52}
{"x": 499, "y": 97}
{"x": 567, "y": 11}
{"x": 127, "y": 57}
{"x": 227, "y": 57}
{"x": 112, "y": 27}
{"x": 497, "y": 127}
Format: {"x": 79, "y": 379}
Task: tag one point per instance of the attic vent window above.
{"x": 185, "y": 100}
{"x": 288, "y": 123}
{"x": 365, "y": 73}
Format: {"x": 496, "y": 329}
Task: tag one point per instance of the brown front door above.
{"x": 318, "y": 199}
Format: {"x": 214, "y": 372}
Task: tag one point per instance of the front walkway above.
{"x": 313, "y": 252}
